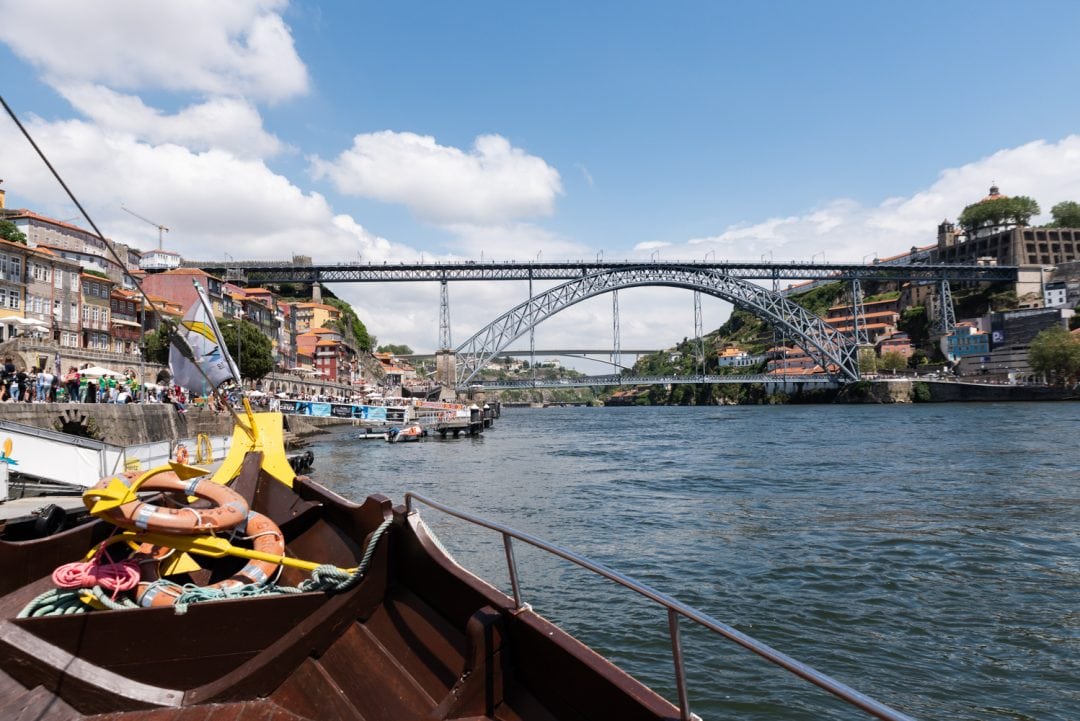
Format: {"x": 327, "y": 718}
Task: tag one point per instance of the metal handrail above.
{"x": 675, "y": 609}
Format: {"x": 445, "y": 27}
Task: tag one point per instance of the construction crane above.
{"x": 160, "y": 228}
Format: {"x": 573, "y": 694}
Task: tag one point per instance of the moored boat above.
{"x": 363, "y": 617}
{"x": 409, "y": 434}
{"x": 412, "y": 636}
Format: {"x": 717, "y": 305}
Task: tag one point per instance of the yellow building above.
{"x": 310, "y": 316}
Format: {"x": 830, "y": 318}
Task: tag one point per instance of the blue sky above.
{"x": 391, "y": 131}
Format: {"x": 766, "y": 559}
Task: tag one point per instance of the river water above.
{"x": 926, "y": 555}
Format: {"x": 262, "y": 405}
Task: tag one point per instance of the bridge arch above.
{"x": 828, "y": 346}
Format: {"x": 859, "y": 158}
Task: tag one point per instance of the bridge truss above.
{"x": 833, "y": 350}
{"x": 632, "y": 380}
{"x": 256, "y": 272}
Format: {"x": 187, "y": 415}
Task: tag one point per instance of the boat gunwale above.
{"x": 674, "y": 607}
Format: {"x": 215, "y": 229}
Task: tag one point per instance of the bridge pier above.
{"x": 446, "y": 368}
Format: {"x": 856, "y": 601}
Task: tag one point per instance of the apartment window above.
{"x": 58, "y": 279}
{"x": 75, "y": 281}
{"x": 12, "y": 299}
{"x": 86, "y": 314}
{"x": 16, "y": 268}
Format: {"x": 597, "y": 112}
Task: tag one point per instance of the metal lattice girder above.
{"x": 858, "y": 313}
{"x": 946, "y": 317}
{"x": 616, "y": 354}
{"x": 285, "y": 271}
{"x": 444, "y": 317}
{"x": 699, "y": 329}
{"x": 629, "y": 380}
{"x": 828, "y": 346}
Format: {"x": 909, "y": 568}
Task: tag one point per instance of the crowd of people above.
{"x": 42, "y": 385}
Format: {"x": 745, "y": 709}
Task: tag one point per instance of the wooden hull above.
{"x": 419, "y": 637}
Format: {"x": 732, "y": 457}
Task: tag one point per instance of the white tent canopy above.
{"x": 98, "y": 372}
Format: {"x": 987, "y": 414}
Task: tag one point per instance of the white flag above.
{"x": 198, "y": 345}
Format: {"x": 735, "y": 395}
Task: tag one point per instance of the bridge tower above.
{"x": 445, "y": 358}
{"x": 699, "y": 330}
{"x": 616, "y": 352}
{"x": 946, "y": 320}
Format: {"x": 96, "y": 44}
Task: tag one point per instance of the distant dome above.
{"x": 995, "y": 194}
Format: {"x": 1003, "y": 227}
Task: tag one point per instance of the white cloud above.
{"x": 212, "y": 201}
{"x": 845, "y": 231}
{"x": 225, "y": 123}
{"x": 240, "y": 47}
{"x": 492, "y": 184}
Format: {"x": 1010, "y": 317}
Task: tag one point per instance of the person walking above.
{"x": 71, "y": 382}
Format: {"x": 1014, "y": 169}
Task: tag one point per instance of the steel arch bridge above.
{"x": 831, "y": 348}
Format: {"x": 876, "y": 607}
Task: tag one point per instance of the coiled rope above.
{"x": 326, "y": 577}
{"x": 124, "y": 576}
{"x": 60, "y": 602}
{"x": 115, "y": 577}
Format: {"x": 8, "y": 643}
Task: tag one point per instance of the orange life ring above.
{"x": 229, "y": 510}
{"x": 265, "y": 536}
{"x": 182, "y": 454}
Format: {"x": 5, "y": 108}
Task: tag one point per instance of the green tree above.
{"x": 253, "y": 352}
{"x": 10, "y": 231}
{"x": 998, "y": 211}
{"x": 1066, "y": 214}
{"x": 156, "y": 343}
{"x": 892, "y": 361}
{"x": 1055, "y": 352}
{"x": 868, "y": 362}
{"x": 396, "y": 349}
{"x": 351, "y": 324}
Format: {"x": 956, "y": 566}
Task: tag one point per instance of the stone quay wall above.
{"x": 123, "y": 424}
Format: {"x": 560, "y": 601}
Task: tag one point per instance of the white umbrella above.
{"x": 255, "y": 394}
{"x": 98, "y": 372}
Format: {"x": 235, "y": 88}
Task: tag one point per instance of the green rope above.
{"x": 63, "y": 602}
{"x": 332, "y": 578}
{"x": 53, "y": 602}
{"x": 106, "y": 600}
{"x": 190, "y": 593}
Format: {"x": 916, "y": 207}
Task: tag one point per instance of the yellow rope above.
{"x": 204, "y": 452}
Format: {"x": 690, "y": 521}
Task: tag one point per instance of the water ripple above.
{"x": 926, "y": 555}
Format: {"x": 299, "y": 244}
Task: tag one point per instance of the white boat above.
{"x": 411, "y": 432}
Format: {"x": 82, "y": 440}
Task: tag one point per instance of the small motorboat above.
{"x": 410, "y": 433}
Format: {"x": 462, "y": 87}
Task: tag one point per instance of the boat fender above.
{"x": 229, "y": 510}
{"x": 50, "y": 520}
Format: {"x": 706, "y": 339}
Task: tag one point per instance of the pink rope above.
{"x": 115, "y": 577}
